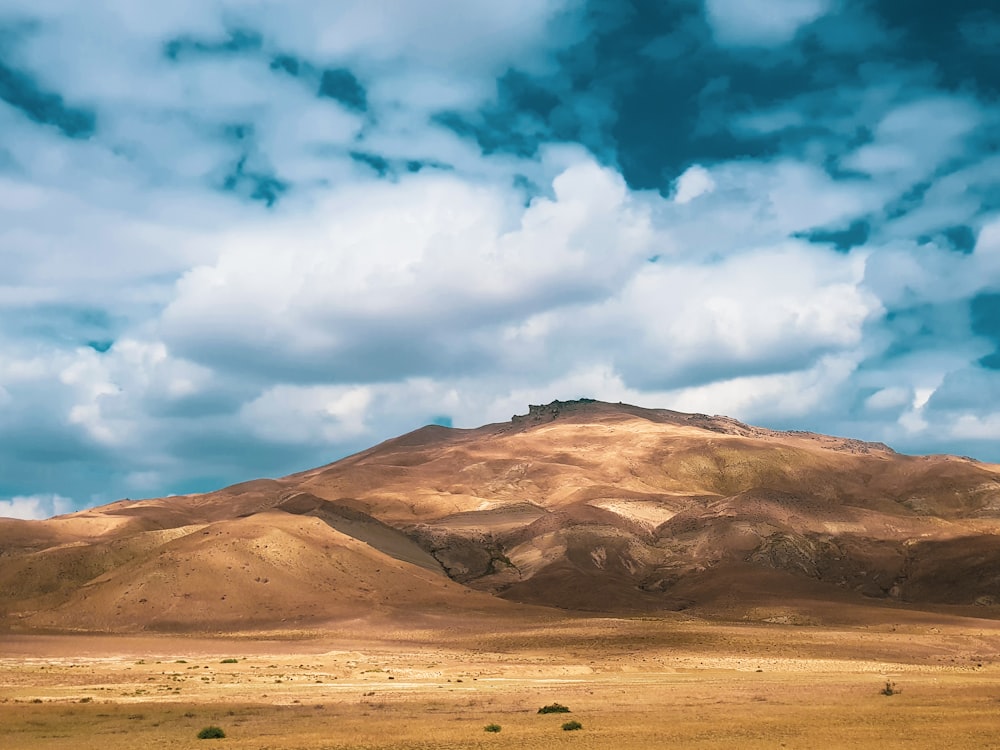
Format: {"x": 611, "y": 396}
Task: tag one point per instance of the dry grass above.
{"x": 710, "y": 711}
{"x": 659, "y": 684}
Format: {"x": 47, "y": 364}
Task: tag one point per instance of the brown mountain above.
{"x": 578, "y": 505}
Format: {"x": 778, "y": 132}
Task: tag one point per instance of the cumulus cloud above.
{"x": 35, "y": 507}
{"x": 695, "y": 181}
{"x": 308, "y": 414}
{"x": 696, "y": 323}
{"x": 392, "y": 280}
{"x": 244, "y": 239}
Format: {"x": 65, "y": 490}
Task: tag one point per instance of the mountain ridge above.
{"x": 580, "y": 505}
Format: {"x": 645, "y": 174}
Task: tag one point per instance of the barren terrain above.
{"x": 631, "y": 683}
{"x": 580, "y": 505}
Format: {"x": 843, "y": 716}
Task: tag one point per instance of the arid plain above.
{"x": 675, "y": 580}
{"x": 632, "y": 683}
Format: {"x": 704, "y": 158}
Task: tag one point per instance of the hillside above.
{"x": 579, "y": 505}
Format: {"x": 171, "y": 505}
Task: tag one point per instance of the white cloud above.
{"x": 977, "y": 427}
{"x": 419, "y": 266}
{"x": 763, "y": 23}
{"x": 773, "y": 309}
{"x": 762, "y": 398}
{"x": 889, "y": 398}
{"x": 900, "y": 273}
{"x": 308, "y": 414}
{"x": 695, "y": 181}
{"x": 35, "y": 507}
{"x": 132, "y": 207}
{"x": 768, "y": 122}
{"x": 760, "y": 203}
{"x": 907, "y": 148}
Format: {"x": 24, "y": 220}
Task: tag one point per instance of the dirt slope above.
{"x": 581, "y": 505}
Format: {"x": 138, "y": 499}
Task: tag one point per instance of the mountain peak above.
{"x": 583, "y": 408}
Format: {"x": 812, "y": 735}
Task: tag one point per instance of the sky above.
{"x": 245, "y": 238}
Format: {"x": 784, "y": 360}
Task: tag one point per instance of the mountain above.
{"x": 579, "y": 505}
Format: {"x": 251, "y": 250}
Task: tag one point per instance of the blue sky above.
{"x": 243, "y": 239}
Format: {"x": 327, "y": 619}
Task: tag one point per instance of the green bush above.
{"x": 554, "y": 708}
{"x": 492, "y": 727}
{"x": 230, "y": 661}
{"x": 569, "y": 726}
{"x": 211, "y": 733}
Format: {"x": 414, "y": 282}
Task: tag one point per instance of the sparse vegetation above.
{"x": 554, "y": 708}
{"x": 623, "y": 704}
{"x": 890, "y": 688}
{"x": 211, "y": 733}
{"x": 569, "y": 726}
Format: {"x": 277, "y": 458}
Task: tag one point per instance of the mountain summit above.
{"x": 581, "y": 505}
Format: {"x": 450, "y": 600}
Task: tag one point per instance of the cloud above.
{"x": 904, "y": 145}
{"x": 964, "y": 390}
{"x": 392, "y": 280}
{"x": 35, "y": 507}
{"x": 698, "y": 323}
{"x": 761, "y": 22}
{"x": 288, "y": 231}
{"x": 977, "y": 427}
{"x": 695, "y": 181}
{"x": 902, "y": 274}
{"x": 308, "y": 415}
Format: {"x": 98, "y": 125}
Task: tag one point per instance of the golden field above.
{"x": 631, "y": 683}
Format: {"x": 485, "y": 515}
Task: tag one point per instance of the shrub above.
{"x": 492, "y": 728}
{"x": 554, "y": 708}
{"x": 211, "y": 733}
{"x": 569, "y": 726}
{"x": 890, "y": 688}
{"x": 230, "y": 661}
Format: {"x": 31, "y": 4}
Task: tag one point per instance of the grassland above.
{"x": 631, "y": 683}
